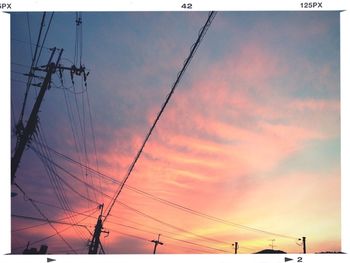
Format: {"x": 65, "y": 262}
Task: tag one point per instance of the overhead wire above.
{"x": 94, "y": 140}
{"x": 139, "y": 153}
{"x": 188, "y": 248}
{"x": 204, "y": 29}
{"x": 59, "y": 207}
{"x": 18, "y": 72}
{"x": 176, "y": 239}
{"x": 73, "y": 176}
{"x": 172, "y": 204}
{"x": 167, "y": 236}
{"x": 164, "y": 223}
{"x": 44, "y": 216}
{"x": 158, "y": 230}
{"x": 130, "y": 235}
{"x": 78, "y": 143}
{"x": 51, "y": 221}
{"x": 63, "y": 180}
{"x": 57, "y": 233}
{"x": 29, "y": 43}
{"x": 30, "y": 35}
{"x": 196, "y": 244}
{"x": 20, "y": 64}
{"x": 45, "y": 156}
{"x": 72, "y": 126}
{"x": 60, "y": 219}
{"x": 55, "y": 179}
{"x": 171, "y": 225}
{"x": 35, "y": 59}
{"x": 57, "y": 182}
{"x": 82, "y": 115}
{"x": 83, "y": 142}
{"x": 31, "y": 67}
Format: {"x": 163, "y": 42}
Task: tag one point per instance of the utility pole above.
{"x": 235, "y": 246}
{"x": 304, "y": 244}
{"x": 156, "y": 243}
{"x": 95, "y": 242}
{"x": 25, "y": 133}
{"x": 272, "y": 240}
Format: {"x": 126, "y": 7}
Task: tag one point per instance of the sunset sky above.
{"x": 251, "y": 135}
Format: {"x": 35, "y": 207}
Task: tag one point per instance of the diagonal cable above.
{"x": 180, "y": 74}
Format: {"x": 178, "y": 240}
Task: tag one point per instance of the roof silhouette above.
{"x": 271, "y": 251}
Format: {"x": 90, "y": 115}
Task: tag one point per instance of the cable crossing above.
{"x": 179, "y": 76}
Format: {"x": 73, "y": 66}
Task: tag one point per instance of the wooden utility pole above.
{"x": 156, "y": 243}
{"x": 25, "y": 134}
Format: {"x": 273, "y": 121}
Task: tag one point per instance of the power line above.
{"x": 72, "y": 175}
{"x": 172, "y": 204}
{"x": 187, "y": 61}
{"x": 31, "y": 67}
{"x": 56, "y": 181}
{"x": 167, "y": 224}
{"x": 158, "y": 230}
{"x": 162, "y": 222}
{"x": 72, "y": 127}
{"x": 169, "y": 237}
{"x": 196, "y": 244}
{"x": 30, "y": 35}
{"x": 18, "y": 72}
{"x": 61, "y": 179}
{"x": 79, "y": 134}
{"x": 51, "y": 221}
{"x": 93, "y": 137}
{"x": 35, "y": 60}
{"x": 72, "y": 211}
{"x": 182, "y": 230}
{"x": 172, "y": 238}
{"x": 43, "y": 215}
{"x": 57, "y": 233}
{"x": 129, "y": 235}
{"x": 30, "y": 43}
{"x": 188, "y": 248}
{"x": 21, "y": 65}
{"x": 60, "y": 219}
{"x": 170, "y": 225}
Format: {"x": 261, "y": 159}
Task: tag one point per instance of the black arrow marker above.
{"x": 287, "y": 259}
{"x": 50, "y": 259}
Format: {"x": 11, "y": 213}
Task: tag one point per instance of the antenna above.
{"x": 271, "y": 245}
